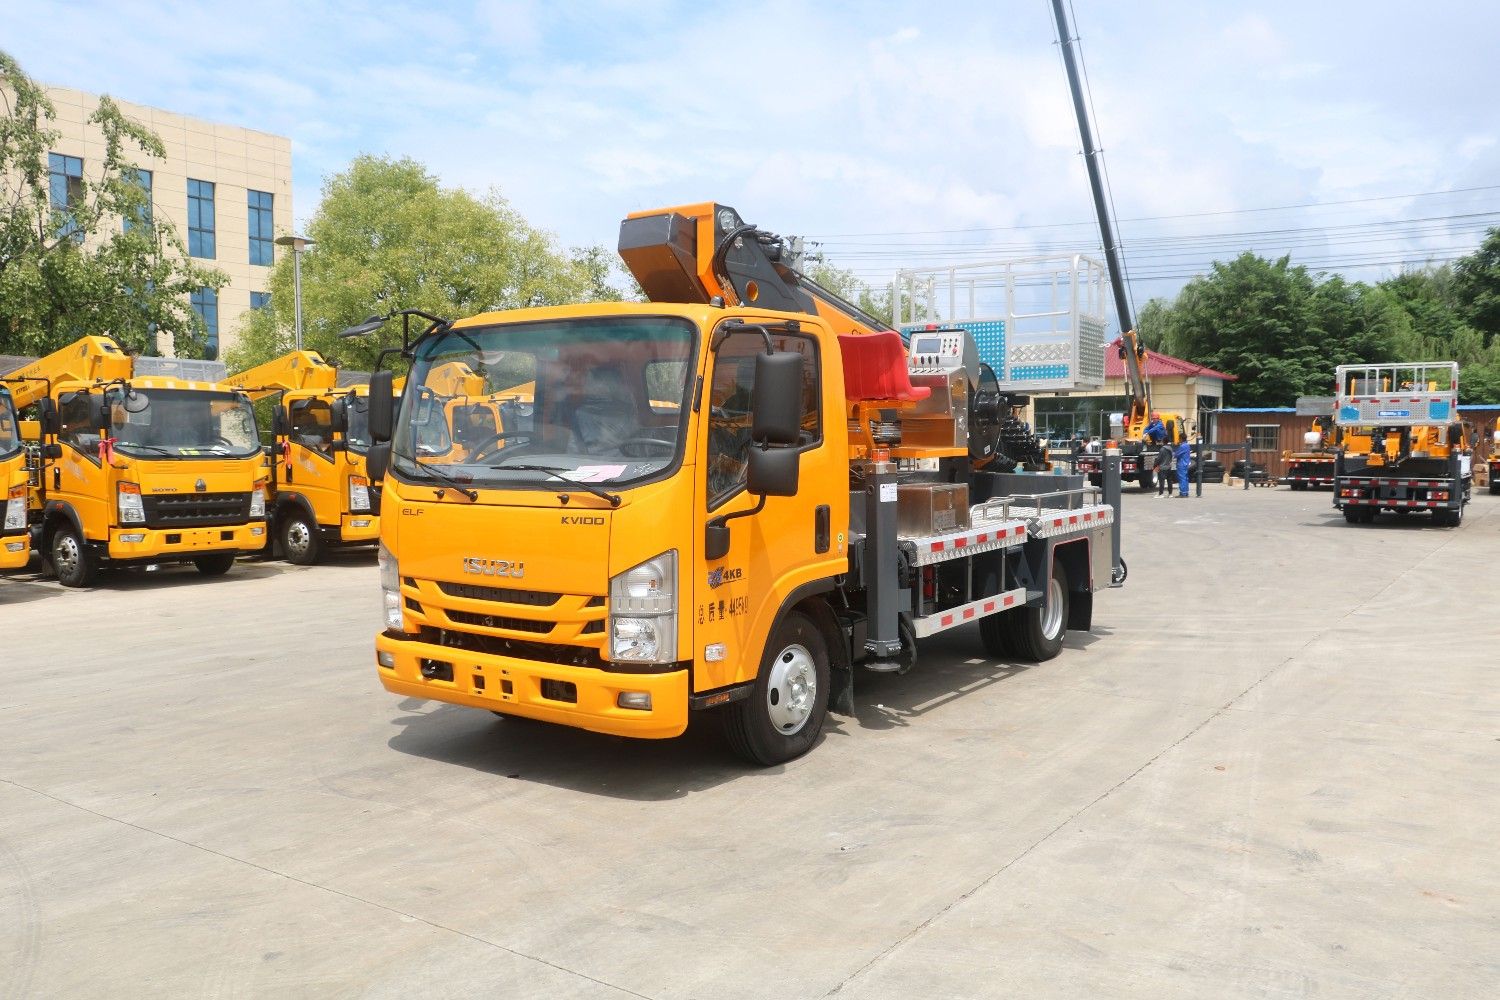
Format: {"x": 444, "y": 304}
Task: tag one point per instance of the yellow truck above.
{"x": 15, "y": 539}
{"x": 1494, "y": 461}
{"x": 142, "y": 461}
{"x": 320, "y": 493}
{"x": 695, "y": 516}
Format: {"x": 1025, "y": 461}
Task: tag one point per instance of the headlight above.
{"x": 132, "y": 511}
{"x": 643, "y": 612}
{"x": 258, "y": 501}
{"x": 390, "y": 588}
{"x": 359, "y": 493}
{"x": 15, "y": 509}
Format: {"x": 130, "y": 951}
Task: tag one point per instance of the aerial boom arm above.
{"x": 290, "y": 372}
{"x": 89, "y": 359}
{"x": 696, "y": 253}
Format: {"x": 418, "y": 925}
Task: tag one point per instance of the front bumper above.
{"x": 184, "y": 543}
{"x": 357, "y": 528}
{"x": 15, "y": 551}
{"x": 514, "y": 687}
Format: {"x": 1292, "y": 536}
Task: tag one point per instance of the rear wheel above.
{"x": 782, "y": 717}
{"x": 72, "y": 562}
{"x": 1147, "y": 481}
{"x": 299, "y": 537}
{"x": 1036, "y": 634}
{"x": 216, "y": 564}
{"x": 1351, "y": 514}
{"x": 1494, "y": 487}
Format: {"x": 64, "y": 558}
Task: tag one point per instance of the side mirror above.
{"x": 377, "y": 460}
{"x": 46, "y": 413}
{"x": 773, "y": 472}
{"x": 52, "y": 452}
{"x": 338, "y": 416}
{"x": 382, "y": 407}
{"x": 776, "y": 400}
{"x": 715, "y": 540}
{"x": 278, "y": 421}
{"x": 98, "y": 414}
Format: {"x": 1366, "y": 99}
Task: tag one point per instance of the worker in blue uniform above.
{"x": 1183, "y": 454}
{"x": 1156, "y": 431}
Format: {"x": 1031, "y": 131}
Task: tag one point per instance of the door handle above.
{"x": 821, "y": 528}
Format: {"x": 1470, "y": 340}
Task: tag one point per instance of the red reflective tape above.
{"x": 982, "y": 537}
{"x": 937, "y": 546}
{"x": 945, "y": 621}
{"x": 959, "y": 543}
{"x": 1073, "y": 519}
{"x": 989, "y": 606}
{"x": 1010, "y": 599}
{"x": 968, "y": 613}
{"x": 1057, "y": 523}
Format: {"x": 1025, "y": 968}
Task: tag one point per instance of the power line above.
{"x": 1165, "y": 218}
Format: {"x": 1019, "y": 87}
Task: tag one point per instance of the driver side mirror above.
{"x": 338, "y": 416}
{"x": 377, "y": 460}
{"x": 47, "y": 416}
{"x": 278, "y": 422}
{"x": 382, "y": 407}
{"x": 773, "y": 472}
{"x": 776, "y": 400}
{"x": 99, "y": 414}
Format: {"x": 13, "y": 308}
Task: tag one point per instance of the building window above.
{"x": 259, "y": 300}
{"x": 206, "y": 305}
{"x": 1264, "y": 437}
{"x": 201, "y": 219}
{"x": 65, "y": 185}
{"x": 142, "y": 214}
{"x": 260, "y": 228}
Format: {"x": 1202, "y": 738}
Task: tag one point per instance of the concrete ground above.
{"x": 1272, "y": 771}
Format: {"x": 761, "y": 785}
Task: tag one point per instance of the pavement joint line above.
{"x": 324, "y": 888}
{"x": 1382, "y": 724}
{"x": 1217, "y": 713}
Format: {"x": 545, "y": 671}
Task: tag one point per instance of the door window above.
{"x": 312, "y": 425}
{"x": 729, "y": 413}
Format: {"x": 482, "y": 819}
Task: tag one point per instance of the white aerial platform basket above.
{"x": 1413, "y": 394}
{"x": 1037, "y": 321}
{"x": 187, "y": 369}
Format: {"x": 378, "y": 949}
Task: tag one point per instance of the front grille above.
{"x": 194, "y": 510}
{"x": 521, "y": 649}
{"x": 504, "y": 595}
{"x": 497, "y": 621}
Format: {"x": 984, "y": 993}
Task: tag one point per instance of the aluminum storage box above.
{"x": 931, "y": 508}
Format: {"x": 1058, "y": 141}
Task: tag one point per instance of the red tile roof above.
{"x": 1158, "y": 364}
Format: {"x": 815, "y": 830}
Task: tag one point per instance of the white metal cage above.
{"x": 1037, "y": 321}
{"x": 1412, "y": 394}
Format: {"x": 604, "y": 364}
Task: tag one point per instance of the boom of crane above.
{"x": 707, "y": 252}
{"x": 89, "y": 360}
{"x": 294, "y": 371}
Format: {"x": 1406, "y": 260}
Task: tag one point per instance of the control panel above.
{"x": 936, "y": 352}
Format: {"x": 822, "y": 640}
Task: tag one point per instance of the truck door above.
{"x": 79, "y": 478}
{"x": 735, "y": 599}
{"x": 313, "y": 472}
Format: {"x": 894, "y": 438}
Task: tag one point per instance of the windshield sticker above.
{"x": 593, "y": 473}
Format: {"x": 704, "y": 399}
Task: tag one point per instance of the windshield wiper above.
{"x": 129, "y": 445}
{"x": 556, "y": 473}
{"x": 446, "y": 480}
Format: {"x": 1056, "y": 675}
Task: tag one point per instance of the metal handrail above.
{"x": 1034, "y": 501}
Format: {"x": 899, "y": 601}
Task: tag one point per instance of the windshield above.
{"x": 594, "y": 400}
{"x": 182, "y": 423}
{"x": 10, "y": 432}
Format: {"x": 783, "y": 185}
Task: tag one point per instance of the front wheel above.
{"x": 784, "y": 714}
{"x": 72, "y": 562}
{"x": 216, "y": 564}
{"x": 299, "y": 537}
{"x": 1147, "y": 480}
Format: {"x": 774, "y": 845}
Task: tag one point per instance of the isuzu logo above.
{"x": 493, "y": 567}
{"x": 200, "y": 486}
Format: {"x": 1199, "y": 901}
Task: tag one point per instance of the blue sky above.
{"x": 946, "y": 124}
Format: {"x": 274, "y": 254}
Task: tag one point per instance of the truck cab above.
{"x": 15, "y": 541}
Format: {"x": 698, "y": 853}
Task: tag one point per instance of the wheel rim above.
{"x": 65, "y": 555}
{"x": 298, "y": 538}
{"x": 1052, "y": 612}
{"x": 791, "y": 689}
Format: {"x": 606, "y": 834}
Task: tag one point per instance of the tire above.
{"x": 216, "y": 564}
{"x": 72, "y": 562}
{"x": 1494, "y": 488}
{"x": 784, "y": 714}
{"x": 1096, "y": 478}
{"x": 298, "y": 537}
{"x": 994, "y": 635}
{"x": 1352, "y": 516}
{"x": 1448, "y": 518}
{"x": 1298, "y": 486}
{"x": 1036, "y": 634}
{"x": 1367, "y": 515}
{"x": 1147, "y": 479}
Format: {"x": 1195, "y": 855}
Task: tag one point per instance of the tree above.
{"x": 1476, "y": 287}
{"x": 388, "y": 236}
{"x": 844, "y": 284}
{"x": 98, "y": 262}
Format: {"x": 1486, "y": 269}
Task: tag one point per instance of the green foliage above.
{"x": 64, "y": 274}
{"x": 844, "y": 284}
{"x": 388, "y": 236}
{"x": 1283, "y": 329}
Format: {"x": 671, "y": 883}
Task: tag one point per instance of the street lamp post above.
{"x": 297, "y": 244}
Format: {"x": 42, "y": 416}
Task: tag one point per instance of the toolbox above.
{"x": 931, "y": 508}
